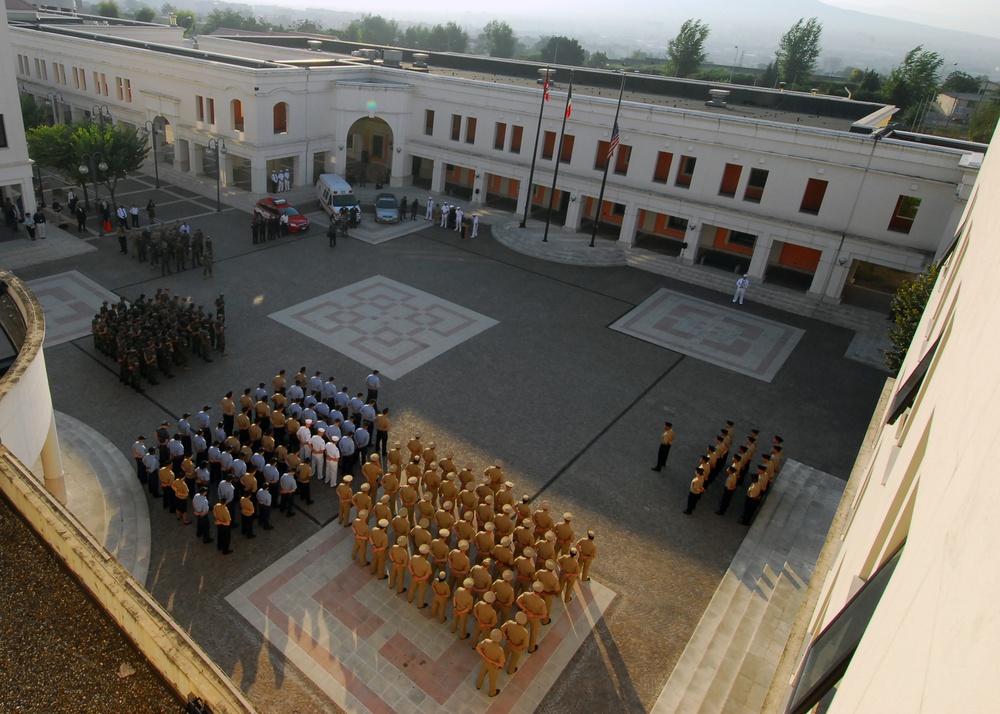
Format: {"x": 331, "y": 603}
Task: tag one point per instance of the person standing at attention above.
{"x": 666, "y": 441}
{"x": 741, "y": 288}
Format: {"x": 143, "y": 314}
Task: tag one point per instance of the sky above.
{"x": 977, "y": 16}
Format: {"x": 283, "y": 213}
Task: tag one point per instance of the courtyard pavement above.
{"x": 566, "y": 372}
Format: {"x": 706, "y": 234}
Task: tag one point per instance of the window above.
{"x": 238, "y": 121}
{"x": 3, "y": 133}
{"x": 128, "y": 90}
{"x": 662, "y": 171}
{"x": 429, "y": 122}
{"x": 904, "y": 213}
{"x": 499, "y": 135}
{"x": 199, "y": 107}
{"x": 60, "y": 73}
{"x": 755, "y": 185}
{"x": 730, "y": 180}
{"x": 83, "y": 80}
{"x": 549, "y": 145}
{"x": 210, "y": 110}
{"x": 624, "y": 155}
{"x": 567, "y": 149}
{"x": 104, "y": 84}
{"x": 470, "y": 130}
{"x": 456, "y": 127}
{"x": 280, "y": 118}
{"x": 120, "y": 88}
{"x": 76, "y": 77}
{"x": 677, "y": 224}
{"x": 516, "y": 134}
{"x": 743, "y": 240}
{"x": 601, "y": 160}
{"x": 685, "y": 172}
{"x": 812, "y": 199}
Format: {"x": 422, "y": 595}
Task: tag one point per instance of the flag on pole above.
{"x": 613, "y": 144}
{"x": 545, "y": 87}
{"x": 569, "y": 101}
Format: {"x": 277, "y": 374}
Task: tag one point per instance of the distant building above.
{"x": 957, "y": 107}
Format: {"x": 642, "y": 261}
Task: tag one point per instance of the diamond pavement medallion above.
{"x": 69, "y": 302}
{"x": 384, "y": 324}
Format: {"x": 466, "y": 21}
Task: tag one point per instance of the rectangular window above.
{"x": 499, "y": 135}
{"x": 83, "y": 79}
{"x": 199, "y": 107}
{"x": 429, "y": 122}
{"x": 76, "y": 78}
{"x": 755, "y": 185}
{"x": 730, "y": 180}
{"x": 38, "y": 68}
{"x": 549, "y": 145}
{"x": 128, "y": 90}
{"x": 120, "y": 87}
{"x": 211, "y": 111}
{"x": 104, "y": 84}
{"x": 470, "y": 130}
{"x": 456, "y": 127}
{"x": 623, "y": 156}
{"x": 812, "y": 199}
{"x": 601, "y": 160}
{"x": 677, "y": 224}
{"x": 239, "y": 122}
{"x": 516, "y": 134}
{"x": 3, "y": 133}
{"x": 904, "y": 214}
{"x": 566, "y": 155}
{"x": 661, "y": 173}
{"x": 685, "y": 172}
{"x": 744, "y": 240}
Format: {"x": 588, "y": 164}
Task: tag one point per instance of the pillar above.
{"x": 574, "y": 213}
{"x": 258, "y": 175}
{"x": 437, "y": 177}
{"x": 761, "y": 254}
{"x": 693, "y": 240}
{"x": 630, "y": 222}
{"x": 195, "y": 157}
{"x": 397, "y": 172}
{"x": 52, "y": 469}
{"x": 522, "y": 195}
{"x": 479, "y": 188}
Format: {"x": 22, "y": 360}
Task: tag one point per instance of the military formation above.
{"x": 150, "y": 338}
{"x": 712, "y": 466}
{"x": 462, "y": 544}
{"x": 172, "y": 248}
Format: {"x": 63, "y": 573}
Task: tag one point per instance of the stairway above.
{"x": 731, "y": 658}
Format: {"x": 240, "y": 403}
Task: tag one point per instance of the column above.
{"x": 693, "y": 240}
{"x": 827, "y": 280}
{"x": 52, "y": 469}
{"x": 761, "y": 253}
{"x": 479, "y": 188}
{"x": 195, "y": 157}
{"x": 630, "y": 222}
{"x": 396, "y": 174}
{"x": 522, "y": 195}
{"x": 437, "y": 177}
{"x": 574, "y": 213}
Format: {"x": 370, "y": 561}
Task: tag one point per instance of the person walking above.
{"x": 741, "y": 288}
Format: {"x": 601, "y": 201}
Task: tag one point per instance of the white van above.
{"x": 334, "y": 193}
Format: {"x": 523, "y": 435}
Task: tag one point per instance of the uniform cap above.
{"x": 448, "y": 505}
{"x": 396, "y": 445}
{"x": 185, "y": 415}
{"x": 321, "y": 430}
{"x": 507, "y": 574}
{"x": 550, "y": 536}
{"x": 591, "y": 534}
{"x": 463, "y": 545}
{"x": 573, "y": 551}
{"x": 567, "y": 516}
{"x": 488, "y": 526}
{"x": 373, "y": 457}
{"x": 444, "y": 533}
{"x": 309, "y": 421}
{"x": 449, "y": 455}
{"x": 441, "y": 575}
{"x": 401, "y": 540}
{"x": 545, "y": 505}
{"x": 366, "y": 486}
{"x": 507, "y": 508}
{"x": 468, "y": 583}
{"x": 383, "y": 523}
{"x": 384, "y": 499}
{"x": 348, "y": 478}
{"x": 526, "y": 523}
{"x": 413, "y": 480}
{"x": 521, "y": 619}
{"x": 363, "y": 513}
{"x": 498, "y": 463}
{"x": 427, "y": 496}
{"x": 424, "y": 523}
{"x": 537, "y": 586}
{"x": 489, "y": 597}
{"x": 467, "y": 516}
{"x": 505, "y": 541}
{"x": 529, "y": 552}
{"x": 508, "y": 484}
{"x": 140, "y": 438}
{"x": 432, "y": 445}
{"x": 425, "y": 549}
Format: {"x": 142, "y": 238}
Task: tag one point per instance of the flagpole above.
{"x": 534, "y": 153}
{"x": 607, "y": 163}
{"x": 558, "y": 157}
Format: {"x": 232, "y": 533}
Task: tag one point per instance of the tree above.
{"x": 798, "y": 51}
{"x": 500, "y": 38}
{"x": 907, "y": 307}
{"x": 686, "y": 52}
{"x": 108, "y": 8}
{"x": 448, "y": 38}
{"x": 598, "y": 60}
{"x": 983, "y": 121}
{"x": 185, "y": 19}
{"x": 312, "y": 26}
{"x": 32, "y": 112}
{"x": 145, "y": 14}
{"x": 913, "y": 83}
{"x": 769, "y": 77}
{"x": 123, "y": 150}
{"x": 563, "y": 50}
{"x": 961, "y": 82}
{"x": 373, "y": 29}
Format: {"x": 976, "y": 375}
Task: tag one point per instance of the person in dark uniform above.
{"x": 414, "y": 209}
{"x": 223, "y": 527}
{"x": 732, "y": 480}
{"x": 751, "y": 502}
{"x": 666, "y": 441}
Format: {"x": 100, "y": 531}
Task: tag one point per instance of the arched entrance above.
{"x": 369, "y": 150}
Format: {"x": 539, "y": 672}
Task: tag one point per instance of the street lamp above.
{"x": 218, "y": 147}
{"x": 40, "y": 193}
{"x": 94, "y": 162}
{"x": 101, "y": 110}
{"x": 50, "y": 99}
{"x": 151, "y": 131}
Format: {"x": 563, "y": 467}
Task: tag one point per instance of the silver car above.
{"x": 386, "y": 208}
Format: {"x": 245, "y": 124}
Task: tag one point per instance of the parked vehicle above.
{"x": 386, "y": 208}
{"x": 268, "y": 207}
{"x": 334, "y": 193}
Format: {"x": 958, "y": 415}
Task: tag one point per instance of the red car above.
{"x": 268, "y": 207}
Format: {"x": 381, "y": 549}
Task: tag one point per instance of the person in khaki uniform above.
{"x": 532, "y": 605}
{"x": 362, "y": 501}
{"x": 524, "y": 536}
{"x": 414, "y": 446}
{"x": 524, "y": 566}
{"x": 484, "y": 511}
{"x": 441, "y": 592}
{"x": 440, "y": 548}
{"x": 505, "y": 497}
{"x": 429, "y": 454}
{"x": 550, "y": 582}
{"x": 493, "y": 661}
{"x": 588, "y": 552}
{"x": 372, "y": 471}
{"x": 400, "y": 526}
{"x": 516, "y": 636}
{"x": 395, "y": 456}
{"x": 459, "y": 563}
{"x": 449, "y": 488}
{"x": 166, "y": 476}
{"x": 732, "y": 479}
{"x": 545, "y": 549}
{"x": 408, "y": 497}
{"x": 420, "y": 573}
{"x": 542, "y": 520}
{"x": 399, "y": 557}
{"x": 569, "y": 571}
{"x": 223, "y": 527}
{"x": 486, "y": 617}
{"x": 502, "y": 556}
{"x": 420, "y": 534}
{"x": 495, "y": 475}
{"x": 381, "y": 509}
{"x": 751, "y": 502}
{"x": 481, "y": 578}
{"x": 447, "y": 464}
{"x": 564, "y": 534}
{"x": 345, "y": 496}
{"x": 466, "y": 476}
{"x": 694, "y": 492}
{"x": 503, "y": 588}
{"x": 666, "y": 441}
{"x": 303, "y": 475}
{"x": 431, "y": 482}
{"x": 523, "y": 509}
{"x": 462, "y": 604}
{"x": 484, "y": 542}
{"x": 425, "y": 509}
{"x": 361, "y": 533}
{"x": 380, "y": 543}
{"x": 465, "y": 527}
{"x": 503, "y": 522}
{"x": 181, "y": 492}
{"x": 443, "y": 516}
{"x": 467, "y": 501}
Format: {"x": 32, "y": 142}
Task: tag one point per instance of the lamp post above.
{"x": 40, "y": 193}
{"x": 101, "y": 110}
{"x": 92, "y": 164}
{"x": 151, "y": 131}
{"x": 50, "y": 99}
{"x": 218, "y": 146}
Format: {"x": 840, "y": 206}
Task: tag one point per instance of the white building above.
{"x": 789, "y": 187}
{"x": 15, "y": 170}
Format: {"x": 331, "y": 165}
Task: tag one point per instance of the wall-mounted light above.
{"x": 842, "y": 261}
{"x": 478, "y": 174}
{"x": 692, "y": 226}
{"x": 340, "y": 146}
{"x": 572, "y": 197}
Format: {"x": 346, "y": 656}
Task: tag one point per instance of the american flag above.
{"x": 613, "y": 144}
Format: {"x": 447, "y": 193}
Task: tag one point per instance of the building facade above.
{"x": 811, "y": 198}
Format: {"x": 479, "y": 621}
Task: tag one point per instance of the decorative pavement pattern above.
{"x": 69, "y": 300}
{"x": 384, "y": 324}
{"x": 719, "y": 335}
{"x": 370, "y": 650}
{"x": 371, "y": 232}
